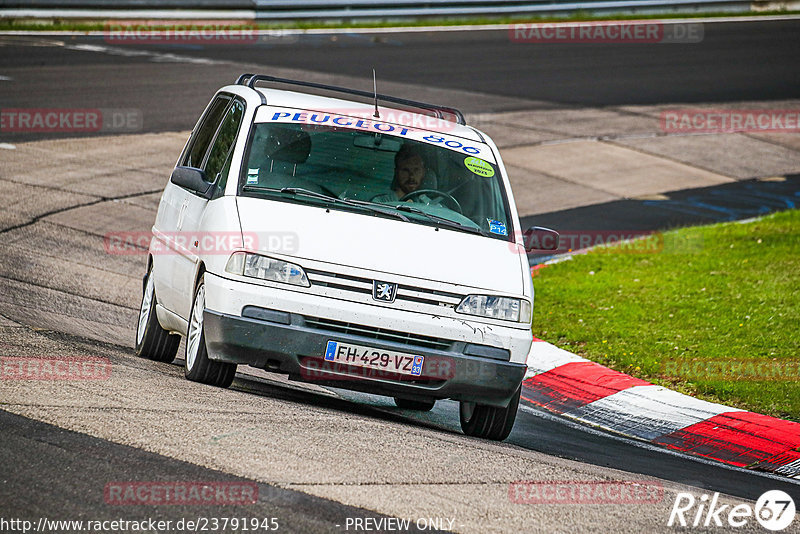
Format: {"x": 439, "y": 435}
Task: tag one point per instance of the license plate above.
{"x": 385, "y": 360}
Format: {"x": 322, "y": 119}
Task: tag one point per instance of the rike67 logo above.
{"x": 774, "y": 510}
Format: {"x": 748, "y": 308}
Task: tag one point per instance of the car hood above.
{"x": 380, "y": 244}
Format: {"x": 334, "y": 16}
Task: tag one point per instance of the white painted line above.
{"x": 158, "y": 57}
{"x": 7, "y": 146}
{"x": 130, "y": 52}
{"x": 544, "y": 357}
{"x": 647, "y": 412}
{"x": 6, "y": 79}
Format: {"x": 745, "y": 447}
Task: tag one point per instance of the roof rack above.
{"x": 438, "y": 111}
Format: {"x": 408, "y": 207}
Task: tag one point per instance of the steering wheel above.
{"x": 449, "y": 201}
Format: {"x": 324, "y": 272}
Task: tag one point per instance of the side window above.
{"x": 202, "y": 138}
{"x": 222, "y": 149}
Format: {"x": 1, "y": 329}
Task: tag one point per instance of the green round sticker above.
{"x": 479, "y": 167}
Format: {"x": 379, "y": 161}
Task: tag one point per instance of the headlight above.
{"x": 504, "y": 308}
{"x": 256, "y": 266}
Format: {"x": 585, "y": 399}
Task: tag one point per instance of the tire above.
{"x": 489, "y": 422}
{"x": 419, "y": 405}
{"x": 152, "y": 341}
{"x": 198, "y": 368}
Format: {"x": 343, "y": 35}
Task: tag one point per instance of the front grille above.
{"x": 382, "y": 334}
{"x": 363, "y": 286}
{"x": 340, "y": 281}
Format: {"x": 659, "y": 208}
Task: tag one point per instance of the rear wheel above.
{"x": 152, "y": 341}
{"x": 422, "y": 406}
{"x": 198, "y": 367}
{"x": 489, "y": 422}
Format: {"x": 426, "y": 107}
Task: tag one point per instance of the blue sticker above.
{"x": 496, "y": 227}
{"x": 330, "y": 351}
{"x": 416, "y": 367}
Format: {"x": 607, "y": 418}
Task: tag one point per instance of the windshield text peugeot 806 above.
{"x": 356, "y": 246}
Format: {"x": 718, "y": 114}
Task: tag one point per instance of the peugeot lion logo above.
{"x": 385, "y": 291}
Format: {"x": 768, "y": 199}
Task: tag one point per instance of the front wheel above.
{"x": 198, "y": 368}
{"x": 152, "y": 341}
{"x": 489, "y": 422}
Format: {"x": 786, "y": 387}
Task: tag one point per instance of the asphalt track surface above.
{"x": 753, "y": 61}
{"x": 704, "y": 205}
{"x": 734, "y": 62}
{"x": 756, "y": 61}
{"x": 46, "y": 449}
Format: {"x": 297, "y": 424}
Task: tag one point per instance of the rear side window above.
{"x": 223, "y": 144}
{"x": 202, "y": 138}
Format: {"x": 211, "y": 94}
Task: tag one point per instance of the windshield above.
{"x": 378, "y": 174}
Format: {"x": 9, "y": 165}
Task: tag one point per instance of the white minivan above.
{"x": 366, "y": 242}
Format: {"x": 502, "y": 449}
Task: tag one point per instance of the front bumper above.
{"x": 284, "y": 342}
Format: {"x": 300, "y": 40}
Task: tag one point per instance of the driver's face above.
{"x": 410, "y": 172}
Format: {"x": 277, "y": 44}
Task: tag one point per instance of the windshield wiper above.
{"x": 441, "y": 220}
{"x": 380, "y": 208}
{"x": 329, "y": 198}
{"x": 376, "y": 208}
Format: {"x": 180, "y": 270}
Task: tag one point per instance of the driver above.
{"x": 409, "y": 172}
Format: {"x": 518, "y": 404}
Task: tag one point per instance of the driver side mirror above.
{"x": 538, "y": 238}
{"x": 193, "y": 180}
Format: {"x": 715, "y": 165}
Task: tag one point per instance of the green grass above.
{"x": 684, "y": 316}
{"x": 28, "y": 24}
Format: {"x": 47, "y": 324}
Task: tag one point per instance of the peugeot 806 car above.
{"x": 363, "y": 242}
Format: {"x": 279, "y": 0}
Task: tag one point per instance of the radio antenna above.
{"x": 375, "y": 92}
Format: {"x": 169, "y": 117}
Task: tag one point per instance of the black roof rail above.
{"x": 438, "y": 111}
{"x": 240, "y": 80}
